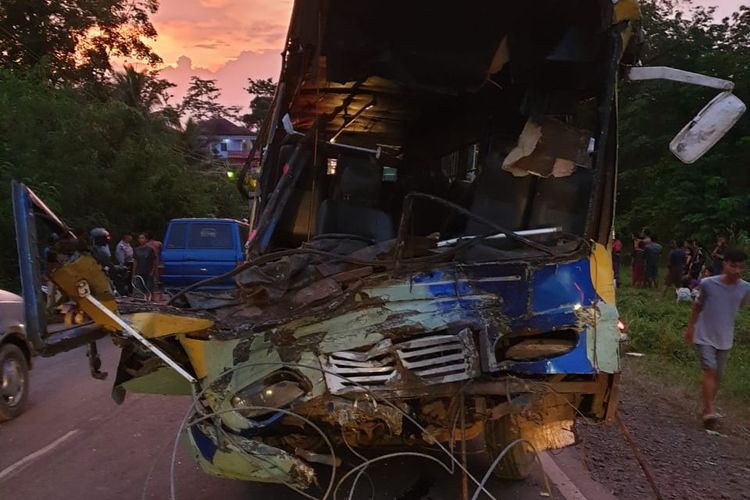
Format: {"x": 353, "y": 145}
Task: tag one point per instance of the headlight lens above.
{"x": 276, "y": 391}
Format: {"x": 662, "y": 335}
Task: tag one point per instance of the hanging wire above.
{"x": 502, "y": 454}
{"x": 196, "y": 400}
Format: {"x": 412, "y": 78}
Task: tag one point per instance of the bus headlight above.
{"x": 278, "y": 390}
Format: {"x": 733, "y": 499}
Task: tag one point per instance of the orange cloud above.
{"x": 225, "y": 40}
{"x": 212, "y": 32}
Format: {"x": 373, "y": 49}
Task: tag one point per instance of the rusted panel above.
{"x": 320, "y": 290}
{"x": 515, "y": 406}
{"x": 613, "y": 397}
{"x": 353, "y": 274}
{"x": 514, "y": 386}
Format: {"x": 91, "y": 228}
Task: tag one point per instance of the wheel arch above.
{"x": 17, "y": 339}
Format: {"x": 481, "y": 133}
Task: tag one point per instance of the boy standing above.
{"x": 711, "y": 324}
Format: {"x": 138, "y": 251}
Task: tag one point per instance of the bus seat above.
{"x": 352, "y": 209}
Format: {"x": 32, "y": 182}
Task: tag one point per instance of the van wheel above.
{"x": 518, "y": 460}
{"x": 14, "y": 384}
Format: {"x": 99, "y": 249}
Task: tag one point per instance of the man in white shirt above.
{"x": 711, "y": 325}
{"x": 124, "y": 250}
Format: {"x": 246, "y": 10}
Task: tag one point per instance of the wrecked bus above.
{"x": 429, "y": 258}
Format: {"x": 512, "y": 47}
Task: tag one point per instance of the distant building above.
{"x": 226, "y": 140}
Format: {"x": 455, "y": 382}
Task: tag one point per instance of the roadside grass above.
{"x": 656, "y": 327}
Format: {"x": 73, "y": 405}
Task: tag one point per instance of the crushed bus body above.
{"x": 429, "y": 261}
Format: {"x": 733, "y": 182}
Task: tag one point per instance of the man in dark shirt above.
{"x": 144, "y": 264}
{"x": 652, "y": 252}
{"x": 675, "y": 267}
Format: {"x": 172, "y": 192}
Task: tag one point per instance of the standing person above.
{"x": 717, "y": 254}
{"x": 124, "y": 257}
{"x": 100, "y": 247}
{"x": 639, "y": 262}
{"x": 688, "y": 257}
{"x": 156, "y": 245}
{"x": 124, "y": 250}
{"x": 711, "y": 324}
{"x": 652, "y": 252}
{"x": 675, "y": 267}
{"x": 616, "y": 250}
{"x": 697, "y": 259}
{"x": 646, "y": 235}
{"x": 144, "y": 264}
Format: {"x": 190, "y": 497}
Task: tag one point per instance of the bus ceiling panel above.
{"x": 450, "y": 49}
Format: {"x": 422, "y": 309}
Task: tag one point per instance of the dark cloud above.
{"x": 211, "y": 45}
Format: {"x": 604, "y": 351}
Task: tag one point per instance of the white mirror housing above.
{"x": 708, "y": 126}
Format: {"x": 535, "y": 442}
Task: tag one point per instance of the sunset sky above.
{"x": 231, "y": 40}
{"x": 225, "y": 40}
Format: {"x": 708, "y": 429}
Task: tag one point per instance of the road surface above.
{"x": 75, "y": 442}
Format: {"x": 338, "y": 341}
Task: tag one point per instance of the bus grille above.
{"x": 427, "y": 359}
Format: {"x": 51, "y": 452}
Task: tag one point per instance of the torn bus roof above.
{"x": 402, "y": 74}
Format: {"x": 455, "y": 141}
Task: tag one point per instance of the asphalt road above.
{"x": 75, "y": 442}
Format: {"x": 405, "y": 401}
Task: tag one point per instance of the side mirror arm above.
{"x": 639, "y": 73}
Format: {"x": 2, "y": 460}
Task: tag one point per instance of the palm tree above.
{"x": 142, "y": 90}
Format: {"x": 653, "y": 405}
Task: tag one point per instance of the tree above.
{"x": 202, "y": 101}
{"x": 262, "y": 91}
{"x": 142, "y": 90}
{"x": 684, "y": 201}
{"x": 75, "y": 39}
{"x": 97, "y": 163}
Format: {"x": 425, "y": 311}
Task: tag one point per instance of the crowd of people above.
{"x": 687, "y": 263}
{"x": 141, "y": 260}
{"x": 712, "y": 282}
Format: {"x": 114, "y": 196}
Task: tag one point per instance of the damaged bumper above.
{"x": 540, "y": 344}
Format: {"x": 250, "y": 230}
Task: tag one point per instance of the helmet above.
{"x": 100, "y": 236}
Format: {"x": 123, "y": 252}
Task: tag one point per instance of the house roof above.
{"x": 221, "y": 127}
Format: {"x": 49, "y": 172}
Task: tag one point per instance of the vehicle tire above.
{"x": 14, "y": 381}
{"x": 518, "y": 460}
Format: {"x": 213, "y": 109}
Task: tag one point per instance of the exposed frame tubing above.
{"x": 500, "y": 236}
{"x": 353, "y": 118}
{"x": 140, "y": 338}
{"x": 36, "y": 201}
{"x": 406, "y": 216}
{"x": 28, "y": 263}
{"x": 269, "y": 218}
{"x": 605, "y": 111}
{"x": 276, "y": 203}
{"x": 273, "y": 126}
